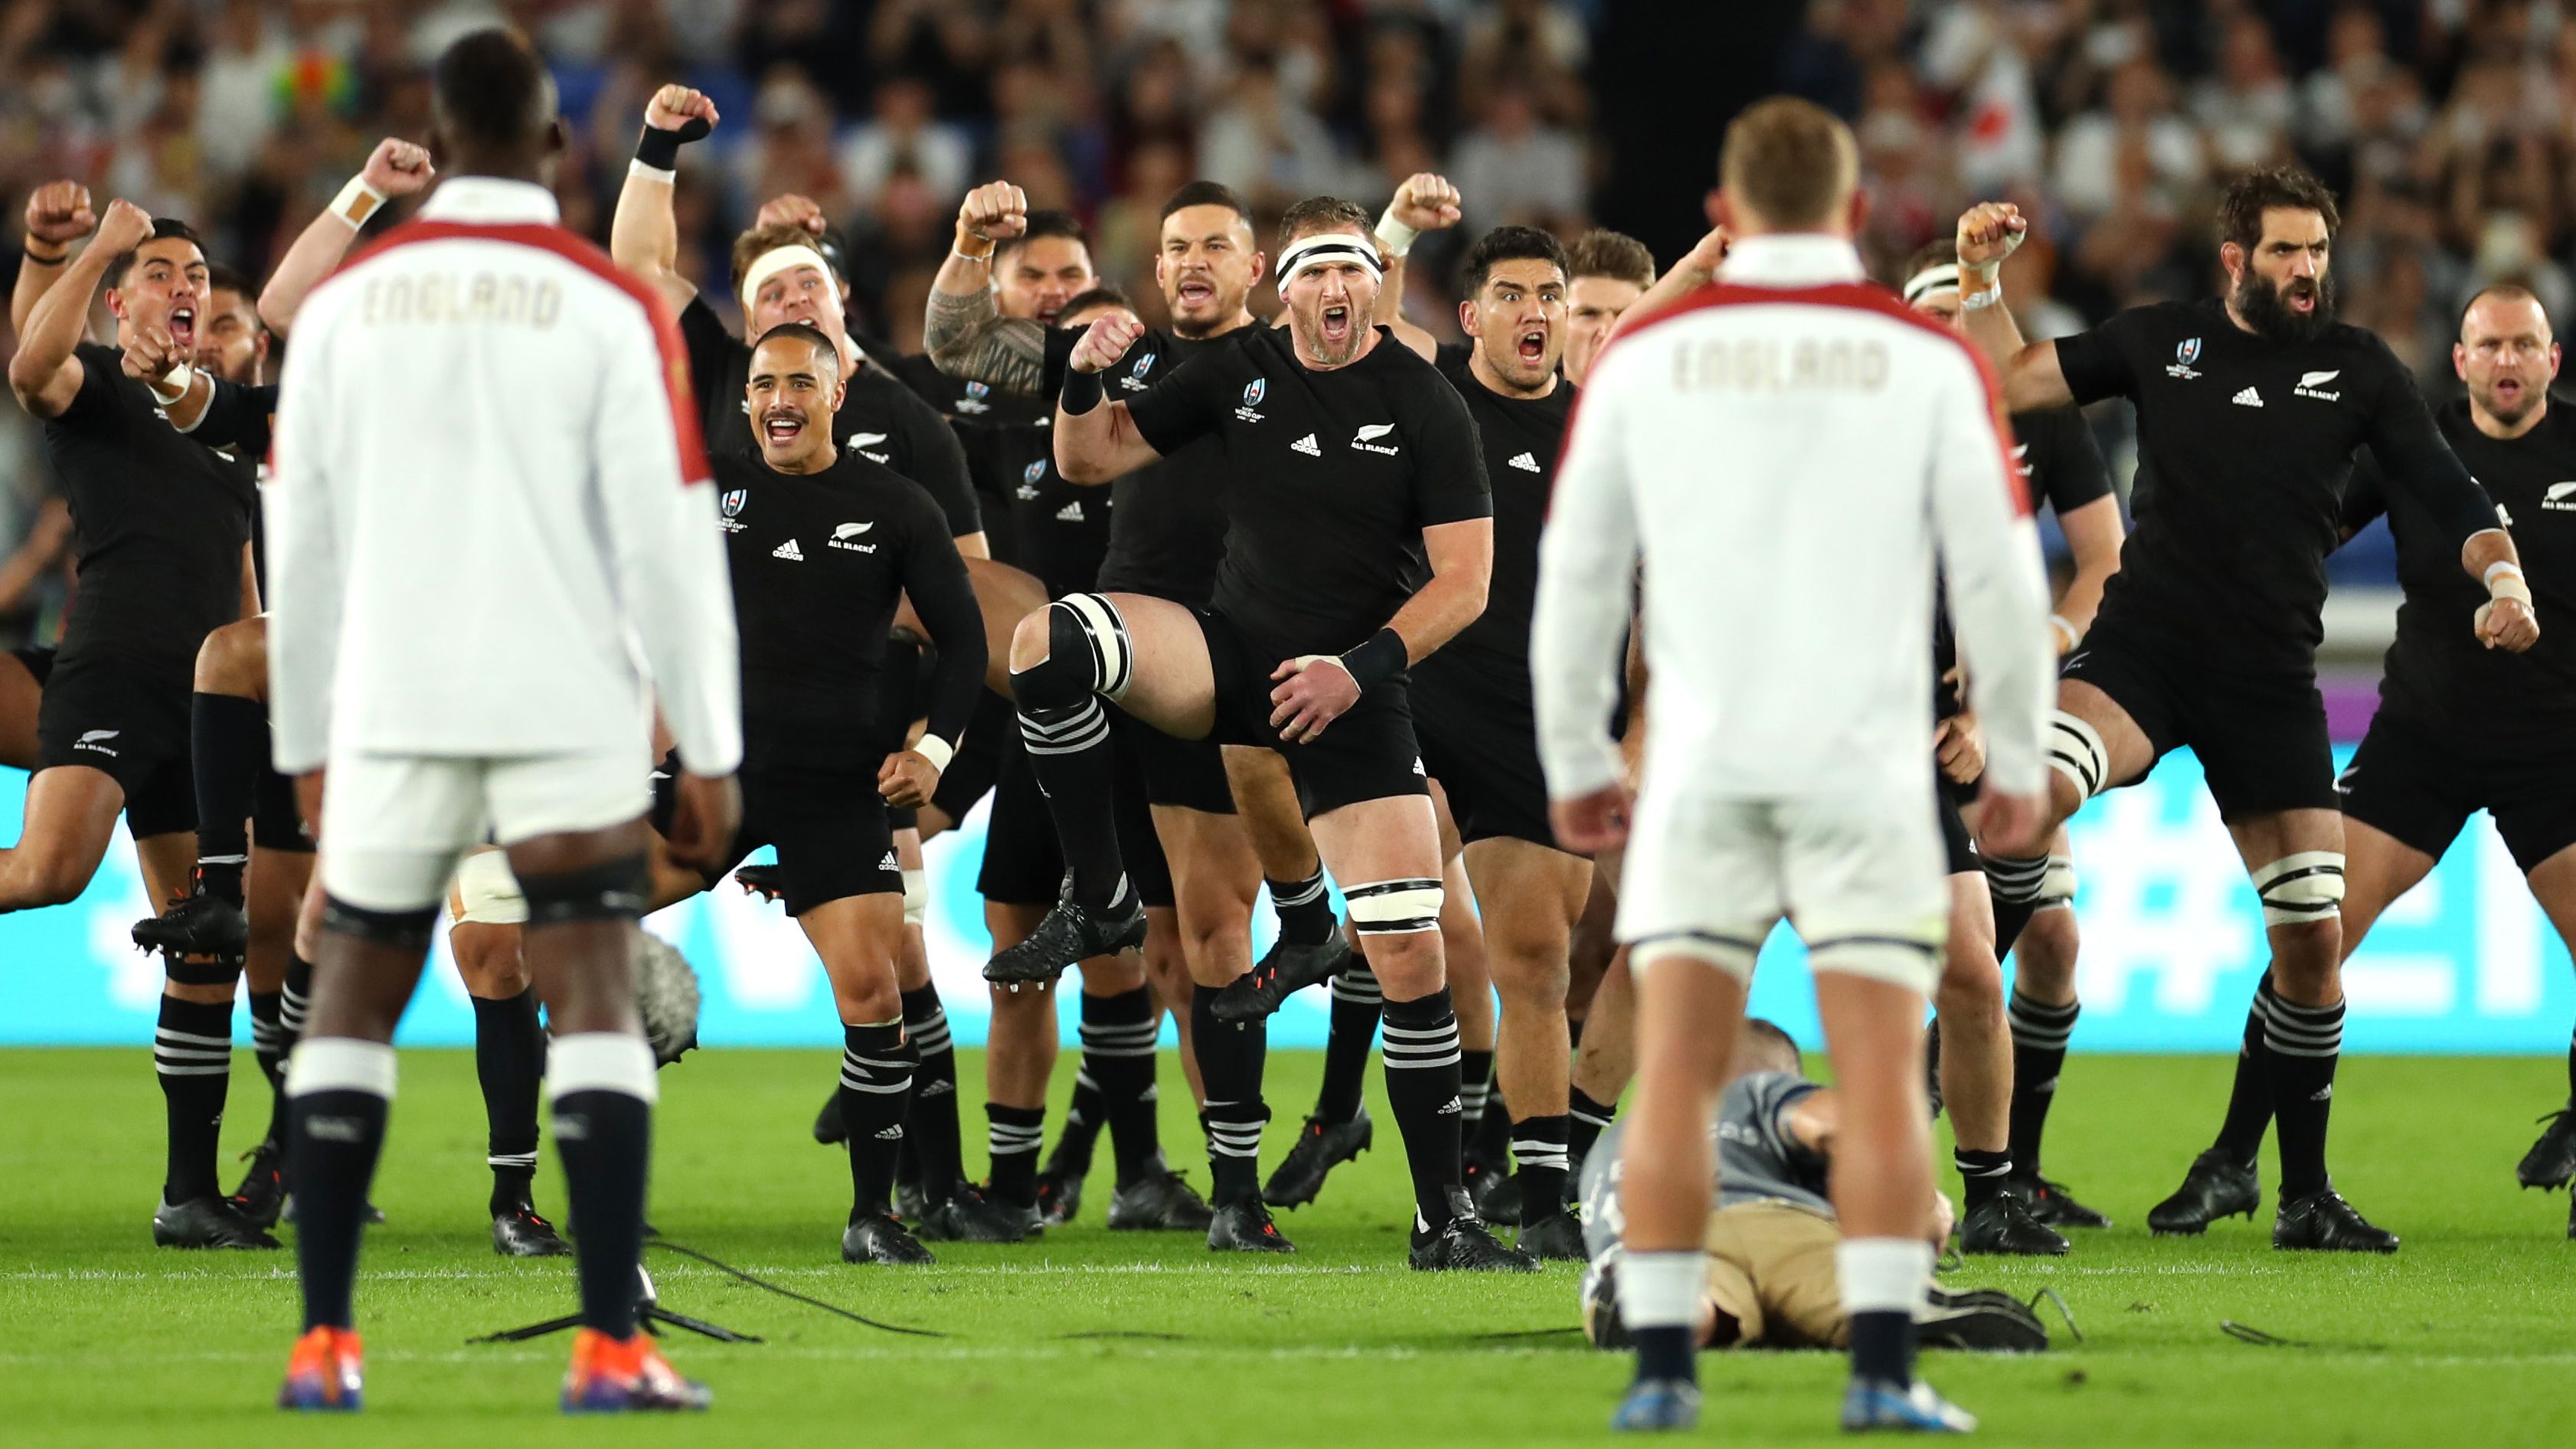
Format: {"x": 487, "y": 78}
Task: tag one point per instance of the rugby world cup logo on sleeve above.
{"x": 1134, "y": 381}
{"x": 2186, "y": 353}
{"x": 1029, "y": 477}
{"x": 732, "y": 505}
{"x": 1253, "y": 392}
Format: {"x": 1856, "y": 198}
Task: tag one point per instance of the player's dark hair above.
{"x": 1205, "y": 193}
{"x": 1791, "y": 161}
{"x": 1942, "y": 253}
{"x": 1321, "y": 214}
{"x": 824, "y": 352}
{"x": 225, "y": 277}
{"x": 1766, "y": 1037}
{"x": 164, "y": 228}
{"x": 1616, "y": 255}
{"x": 2290, "y": 188}
{"x": 492, "y": 94}
{"x": 1509, "y": 244}
{"x": 1107, "y": 294}
{"x": 1044, "y": 224}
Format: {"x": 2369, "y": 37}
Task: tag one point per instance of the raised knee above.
{"x": 234, "y": 659}
{"x": 1029, "y": 640}
{"x": 1074, "y": 647}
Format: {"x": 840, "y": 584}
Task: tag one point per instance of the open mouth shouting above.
{"x": 1335, "y": 321}
{"x": 183, "y": 328}
{"x": 780, "y": 427}
{"x": 1533, "y": 345}
{"x": 1194, "y": 293}
{"x": 2300, "y": 296}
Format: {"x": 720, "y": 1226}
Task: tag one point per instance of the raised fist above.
{"x": 1105, "y": 341}
{"x": 1989, "y": 232}
{"x": 996, "y": 211}
{"x": 398, "y": 168}
{"x": 1426, "y": 202}
{"x": 149, "y": 353}
{"x": 792, "y": 210}
{"x": 59, "y": 212}
{"x": 125, "y": 227}
{"x": 673, "y": 108}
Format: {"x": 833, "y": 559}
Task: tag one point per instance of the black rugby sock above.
{"x": 1586, "y": 1120}
{"x": 603, "y": 1127}
{"x": 1118, "y": 1035}
{"x": 1538, "y": 1143}
{"x": 877, "y": 1067}
{"x": 510, "y": 1063}
{"x": 2039, "y": 1036}
{"x": 1304, "y": 908}
{"x": 268, "y": 1042}
{"x": 335, "y": 1130}
{"x": 2249, "y": 1100}
{"x": 228, "y": 750}
{"x": 1231, "y": 1058}
{"x": 2011, "y": 917}
{"x": 192, "y": 1054}
{"x": 1068, "y": 746}
{"x": 1013, "y": 1136}
{"x": 1084, "y": 1116}
{"x": 1357, "y": 1006}
{"x": 2304, "y": 1043}
{"x": 1475, "y": 1085}
{"x": 1981, "y": 1174}
{"x": 931, "y": 1130}
{"x": 1421, "y": 1056}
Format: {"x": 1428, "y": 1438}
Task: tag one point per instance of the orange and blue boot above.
{"x": 323, "y": 1375}
{"x": 613, "y": 1376}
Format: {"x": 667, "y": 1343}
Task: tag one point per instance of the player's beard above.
{"x": 2266, "y": 310}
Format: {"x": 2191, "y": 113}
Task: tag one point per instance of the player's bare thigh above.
{"x": 1170, "y": 684}
{"x": 1394, "y": 838}
{"x": 20, "y": 695}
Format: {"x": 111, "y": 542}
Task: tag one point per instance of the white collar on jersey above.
{"x": 491, "y": 201}
{"x": 1791, "y": 259}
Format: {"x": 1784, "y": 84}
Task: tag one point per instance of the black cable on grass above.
{"x": 2247, "y": 1333}
{"x": 668, "y": 1246}
{"x": 2063, "y": 1311}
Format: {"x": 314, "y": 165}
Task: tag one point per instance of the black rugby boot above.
{"x": 2323, "y": 1221}
{"x": 2218, "y": 1186}
{"x": 1244, "y": 1226}
{"x": 520, "y": 1233}
{"x": 1320, "y": 1148}
{"x": 877, "y": 1238}
{"x": 2551, "y": 1162}
{"x": 1160, "y": 1202}
{"x": 2050, "y": 1203}
{"x": 2002, "y": 1225}
{"x": 1071, "y": 932}
{"x": 1283, "y": 971}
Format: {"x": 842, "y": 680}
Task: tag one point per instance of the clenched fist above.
{"x": 1426, "y": 202}
{"x": 1105, "y": 341}
{"x": 58, "y": 212}
{"x": 678, "y": 108}
{"x": 126, "y": 227}
{"x": 792, "y": 210}
{"x": 1989, "y": 232}
{"x": 995, "y": 211}
{"x": 2508, "y": 624}
{"x": 398, "y": 168}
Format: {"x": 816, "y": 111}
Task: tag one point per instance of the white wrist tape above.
{"x": 936, "y": 750}
{"x": 357, "y": 202}
{"x": 2502, "y": 567}
{"x": 1395, "y": 235}
{"x": 1991, "y": 295}
{"x": 650, "y": 172}
{"x": 173, "y": 385}
{"x": 2068, "y": 636}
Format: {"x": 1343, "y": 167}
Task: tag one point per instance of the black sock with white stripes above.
{"x": 268, "y": 1043}
{"x": 1013, "y": 1137}
{"x": 1486, "y": 1136}
{"x": 1305, "y": 910}
{"x": 1585, "y": 1121}
{"x": 335, "y": 1129}
{"x": 1084, "y": 1116}
{"x": 1118, "y": 1053}
{"x": 2039, "y": 1035}
{"x": 2303, "y": 1044}
{"x": 877, "y": 1067}
{"x": 1981, "y": 1174}
{"x": 1356, "y": 1008}
{"x": 1421, "y": 1055}
{"x": 930, "y": 1128}
{"x": 228, "y": 743}
{"x": 510, "y": 1063}
{"x": 192, "y": 1053}
{"x": 2013, "y": 888}
{"x": 603, "y": 1089}
{"x": 1230, "y": 1063}
{"x": 2249, "y": 1099}
{"x": 1068, "y": 747}
{"x": 1538, "y": 1145}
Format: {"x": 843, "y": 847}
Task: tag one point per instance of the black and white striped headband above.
{"x": 1326, "y": 247}
{"x": 1943, "y": 278}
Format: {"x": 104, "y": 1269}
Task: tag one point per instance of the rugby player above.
{"x": 1850, "y": 429}
{"x": 164, "y": 529}
{"x": 476, "y": 574}
{"x": 2462, "y": 728}
{"x": 1771, "y": 1237}
{"x": 2250, "y": 408}
{"x": 1605, "y": 273}
{"x": 1345, "y": 562}
{"x": 1167, "y": 536}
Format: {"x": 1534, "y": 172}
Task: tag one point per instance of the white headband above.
{"x": 770, "y": 263}
{"x": 1307, "y": 252}
{"x": 1932, "y": 279}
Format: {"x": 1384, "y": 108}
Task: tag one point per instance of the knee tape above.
{"x": 2057, "y": 884}
{"x": 487, "y": 894}
{"x": 613, "y": 890}
{"x": 2016, "y": 882}
{"x": 916, "y": 897}
{"x": 1088, "y": 652}
{"x": 1395, "y": 907}
{"x": 408, "y": 930}
{"x": 1733, "y": 955}
{"x": 1896, "y": 960}
{"x": 2075, "y": 750}
{"x": 2306, "y": 886}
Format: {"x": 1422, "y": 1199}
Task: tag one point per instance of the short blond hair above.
{"x": 1790, "y": 162}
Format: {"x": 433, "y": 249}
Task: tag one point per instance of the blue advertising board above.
{"x": 2173, "y": 944}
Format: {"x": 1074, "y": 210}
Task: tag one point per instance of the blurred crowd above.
{"x": 2449, "y": 126}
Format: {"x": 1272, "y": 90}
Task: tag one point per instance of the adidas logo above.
{"x": 2249, "y": 398}
{"x": 1450, "y": 1108}
{"x": 1525, "y": 463}
{"x": 1070, "y": 513}
{"x": 2322, "y": 1094}
{"x": 889, "y": 862}
{"x": 935, "y": 1089}
{"x": 891, "y": 1134}
{"x": 788, "y": 550}
{"x": 1307, "y": 446}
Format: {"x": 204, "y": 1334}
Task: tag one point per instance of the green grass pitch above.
{"x": 2464, "y": 1338}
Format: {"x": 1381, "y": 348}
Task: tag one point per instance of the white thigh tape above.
{"x": 2075, "y": 750}
{"x": 1393, "y": 907}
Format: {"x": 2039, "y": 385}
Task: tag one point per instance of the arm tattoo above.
{"x": 966, "y": 338}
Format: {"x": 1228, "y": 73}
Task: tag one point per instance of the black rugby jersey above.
{"x": 159, "y": 517}
{"x": 2437, "y": 673}
{"x": 1167, "y": 525}
{"x": 2244, "y": 446}
{"x": 1331, "y": 476}
{"x": 2062, "y": 466}
{"x": 1033, "y": 519}
{"x": 879, "y": 419}
{"x": 819, "y": 562}
{"x": 1521, "y": 438}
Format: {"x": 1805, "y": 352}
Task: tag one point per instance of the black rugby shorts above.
{"x": 275, "y": 821}
{"x": 1479, "y": 736}
{"x": 2419, "y": 783}
{"x": 129, "y": 718}
{"x": 1368, "y": 754}
{"x": 2260, "y": 733}
{"x": 831, "y": 829}
{"x": 1023, "y": 856}
{"x": 1955, "y": 842}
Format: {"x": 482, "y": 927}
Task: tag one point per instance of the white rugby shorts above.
{"x": 394, "y": 826}
{"x": 1860, "y": 876}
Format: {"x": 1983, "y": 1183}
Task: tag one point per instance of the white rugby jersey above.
{"x": 1788, "y": 451}
{"x": 490, "y": 530}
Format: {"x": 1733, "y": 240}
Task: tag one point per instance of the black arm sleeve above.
{"x": 1191, "y": 402}
{"x": 703, "y": 333}
{"x": 934, "y": 575}
{"x": 2364, "y": 498}
{"x": 2100, "y": 363}
{"x": 2063, "y": 458}
{"x": 939, "y": 465}
{"x": 237, "y": 417}
{"x": 1449, "y": 484}
{"x": 2418, "y": 462}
